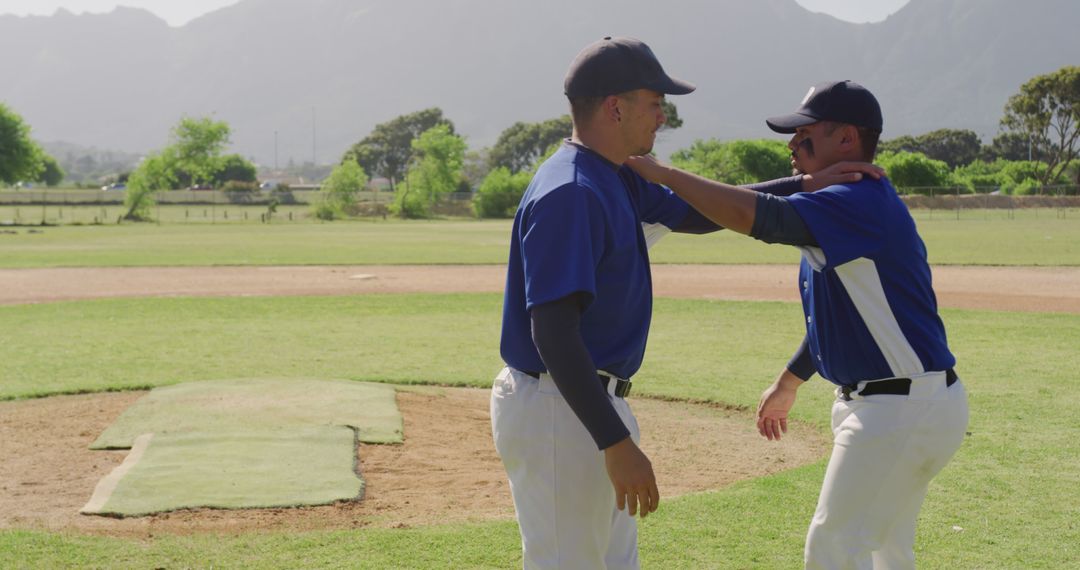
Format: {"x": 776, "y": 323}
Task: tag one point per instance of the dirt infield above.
{"x": 1055, "y": 289}
{"x": 47, "y": 471}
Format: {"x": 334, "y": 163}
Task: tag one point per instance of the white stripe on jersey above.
{"x": 815, "y": 256}
{"x": 863, "y": 285}
{"x": 653, "y": 233}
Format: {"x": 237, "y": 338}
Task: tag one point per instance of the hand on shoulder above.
{"x": 841, "y": 173}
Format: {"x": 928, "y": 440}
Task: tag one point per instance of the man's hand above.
{"x": 651, "y": 169}
{"x": 840, "y": 173}
{"x": 775, "y": 404}
{"x": 632, "y": 476}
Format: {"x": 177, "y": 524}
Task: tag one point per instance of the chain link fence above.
{"x": 69, "y": 206}
{"x": 1060, "y": 201}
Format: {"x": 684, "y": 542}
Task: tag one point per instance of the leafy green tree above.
{"x": 736, "y": 162}
{"x": 521, "y": 144}
{"x": 1008, "y": 146}
{"x": 954, "y": 147}
{"x": 388, "y": 150}
{"x": 913, "y": 169}
{"x": 155, "y": 173}
{"x": 1047, "y": 111}
{"x": 199, "y": 144}
{"x": 51, "y": 173}
{"x": 20, "y": 157}
{"x": 337, "y": 198}
{"x": 193, "y": 156}
{"x": 671, "y": 113}
{"x": 435, "y": 174}
{"x": 234, "y": 167}
{"x": 500, "y": 193}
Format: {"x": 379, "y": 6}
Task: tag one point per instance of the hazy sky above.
{"x": 178, "y": 13}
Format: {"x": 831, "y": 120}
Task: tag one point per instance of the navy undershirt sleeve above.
{"x": 777, "y": 221}
{"x": 556, "y": 331}
{"x": 779, "y": 187}
{"x": 802, "y": 363}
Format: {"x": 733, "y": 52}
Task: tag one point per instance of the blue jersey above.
{"x": 866, "y": 290}
{"x": 578, "y": 230}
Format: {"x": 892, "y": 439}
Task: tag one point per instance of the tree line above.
{"x": 423, "y": 159}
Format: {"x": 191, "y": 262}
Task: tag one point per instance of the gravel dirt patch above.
{"x": 1055, "y": 289}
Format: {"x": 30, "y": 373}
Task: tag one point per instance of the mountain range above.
{"x": 303, "y": 80}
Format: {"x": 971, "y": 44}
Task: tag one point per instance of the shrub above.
{"x": 913, "y": 169}
{"x": 500, "y": 193}
{"x": 337, "y": 198}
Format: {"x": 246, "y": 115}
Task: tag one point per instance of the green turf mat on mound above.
{"x": 253, "y": 404}
{"x": 273, "y": 468}
{"x": 243, "y": 443}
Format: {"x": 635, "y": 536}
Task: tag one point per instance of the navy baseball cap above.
{"x": 617, "y": 65}
{"x": 839, "y": 101}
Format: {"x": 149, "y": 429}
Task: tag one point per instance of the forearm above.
{"x": 729, "y": 206}
{"x": 787, "y": 380}
{"x": 556, "y": 331}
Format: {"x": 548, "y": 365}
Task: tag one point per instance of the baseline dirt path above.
{"x": 1049, "y": 289}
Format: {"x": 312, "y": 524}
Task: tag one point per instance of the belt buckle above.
{"x": 620, "y": 389}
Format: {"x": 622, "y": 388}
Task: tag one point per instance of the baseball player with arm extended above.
{"x": 576, "y": 316}
{"x": 872, "y": 328}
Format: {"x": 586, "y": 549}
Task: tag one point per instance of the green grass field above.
{"x": 980, "y": 237}
{"x": 1011, "y": 488}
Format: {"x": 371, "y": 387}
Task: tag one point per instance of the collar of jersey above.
{"x": 592, "y": 152}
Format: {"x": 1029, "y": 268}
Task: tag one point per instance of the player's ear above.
{"x": 849, "y": 137}
{"x": 612, "y": 108}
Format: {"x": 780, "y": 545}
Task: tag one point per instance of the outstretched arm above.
{"x": 726, "y": 205}
{"x": 729, "y": 206}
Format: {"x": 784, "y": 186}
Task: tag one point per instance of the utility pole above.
{"x": 313, "y": 136}
{"x": 275, "y": 152}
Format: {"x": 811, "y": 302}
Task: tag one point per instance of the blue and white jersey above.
{"x": 870, "y": 309}
{"x": 578, "y": 229}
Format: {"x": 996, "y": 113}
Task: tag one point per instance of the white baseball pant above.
{"x": 886, "y": 449}
{"x": 564, "y": 499}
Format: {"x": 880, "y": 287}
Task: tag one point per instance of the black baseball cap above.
{"x": 617, "y": 65}
{"x": 839, "y": 101}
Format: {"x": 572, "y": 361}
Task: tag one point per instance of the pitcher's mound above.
{"x": 446, "y": 471}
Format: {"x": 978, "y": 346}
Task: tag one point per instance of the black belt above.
{"x": 895, "y": 386}
{"x": 622, "y": 387}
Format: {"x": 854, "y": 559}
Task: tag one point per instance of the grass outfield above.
{"x": 980, "y": 237}
{"x": 1008, "y": 500}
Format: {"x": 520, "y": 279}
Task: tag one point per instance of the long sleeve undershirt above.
{"x": 556, "y": 331}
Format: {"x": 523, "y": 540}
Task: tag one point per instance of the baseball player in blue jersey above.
{"x": 872, "y": 328}
{"x": 576, "y": 316}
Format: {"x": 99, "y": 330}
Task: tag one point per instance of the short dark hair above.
{"x": 583, "y": 108}
{"x": 868, "y": 138}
